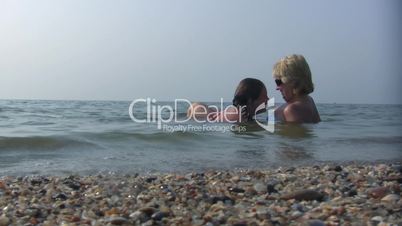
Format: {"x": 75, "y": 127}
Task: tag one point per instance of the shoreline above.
{"x": 144, "y": 172}
{"x": 366, "y": 193}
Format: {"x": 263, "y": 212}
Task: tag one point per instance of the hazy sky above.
{"x": 200, "y": 50}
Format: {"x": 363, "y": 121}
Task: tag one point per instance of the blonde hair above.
{"x": 294, "y": 70}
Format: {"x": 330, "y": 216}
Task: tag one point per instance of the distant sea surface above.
{"x": 89, "y": 137}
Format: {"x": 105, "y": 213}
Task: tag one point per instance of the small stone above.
{"x": 260, "y": 188}
{"x": 262, "y": 214}
{"x": 394, "y": 178}
{"x": 224, "y": 199}
{"x": 271, "y": 188}
{"x": 351, "y": 193}
{"x": 381, "y": 167}
{"x": 340, "y": 211}
{"x": 335, "y": 168}
{"x": 290, "y": 170}
{"x": 378, "y": 193}
{"x": 36, "y": 181}
{"x": 116, "y": 220}
{"x": 391, "y": 198}
{"x": 3, "y": 185}
{"x": 32, "y": 212}
{"x": 72, "y": 183}
{"x": 240, "y": 224}
{"x": 60, "y": 196}
{"x": 296, "y": 214}
{"x": 306, "y": 195}
{"x": 278, "y": 220}
{"x": 148, "y": 210}
{"x": 245, "y": 178}
{"x": 338, "y": 168}
{"x": 113, "y": 211}
{"x": 236, "y": 190}
{"x": 138, "y": 215}
{"x": 333, "y": 218}
{"x": 135, "y": 215}
{"x": 49, "y": 223}
{"x": 250, "y": 191}
{"x": 235, "y": 178}
{"x": 159, "y": 215}
{"x": 75, "y": 219}
{"x": 4, "y": 221}
{"x": 114, "y": 200}
{"x": 87, "y": 215}
{"x": 297, "y": 207}
{"x": 150, "y": 179}
{"x": 315, "y": 223}
{"x": 377, "y": 218}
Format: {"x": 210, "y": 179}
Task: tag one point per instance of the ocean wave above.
{"x": 371, "y": 140}
{"x": 36, "y": 123}
{"x": 152, "y": 136}
{"x": 42, "y": 143}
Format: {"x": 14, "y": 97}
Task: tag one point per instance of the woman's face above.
{"x": 286, "y": 90}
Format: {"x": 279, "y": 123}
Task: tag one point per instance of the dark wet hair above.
{"x": 248, "y": 90}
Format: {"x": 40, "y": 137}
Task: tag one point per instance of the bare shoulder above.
{"x": 294, "y": 112}
{"x": 301, "y": 112}
{"x": 294, "y": 107}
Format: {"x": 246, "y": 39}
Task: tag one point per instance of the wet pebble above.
{"x": 378, "y": 192}
{"x": 36, "y": 181}
{"x": 60, "y": 196}
{"x": 306, "y": 195}
{"x": 150, "y": 179}
{"x": 159, "y": 215}
{"x": 290, "y": 170}
{"x": 397, "y": 178}
{"x": 116, "y": 220}
{"x": 72, "y": 183}
{"x": 242, "y": 223}
{"x": 139, "y": 216}
{"x": 315, "y": 223}
{"x": 148, "y": 210}
{"x": 377, "y": 219}
{"x": 4, "y": 221}
{"x": 224, "y": 199}
{"x": 351, "y": 193}
{"x": 260, "y": 188}
{"x": 296, "y": 214}
{"x": 297, "y": 206}
{"x": 336, "y": 168}
{"x": 391, "y": 198}
{"x": 271, "y": 188}
{"x": 3, "y": 185}
{"x": 236, "y": 190}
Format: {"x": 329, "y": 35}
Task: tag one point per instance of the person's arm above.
{"x": 230, "y": 114}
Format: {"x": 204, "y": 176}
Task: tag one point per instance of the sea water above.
{"x": 89, "y": 137}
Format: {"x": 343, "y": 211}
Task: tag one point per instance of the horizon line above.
{"x": 124, "y": 100}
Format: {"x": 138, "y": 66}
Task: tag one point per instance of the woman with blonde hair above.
{"x": 293, "y": 79}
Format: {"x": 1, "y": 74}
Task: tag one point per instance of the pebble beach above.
{"x": 328, "y": 194}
